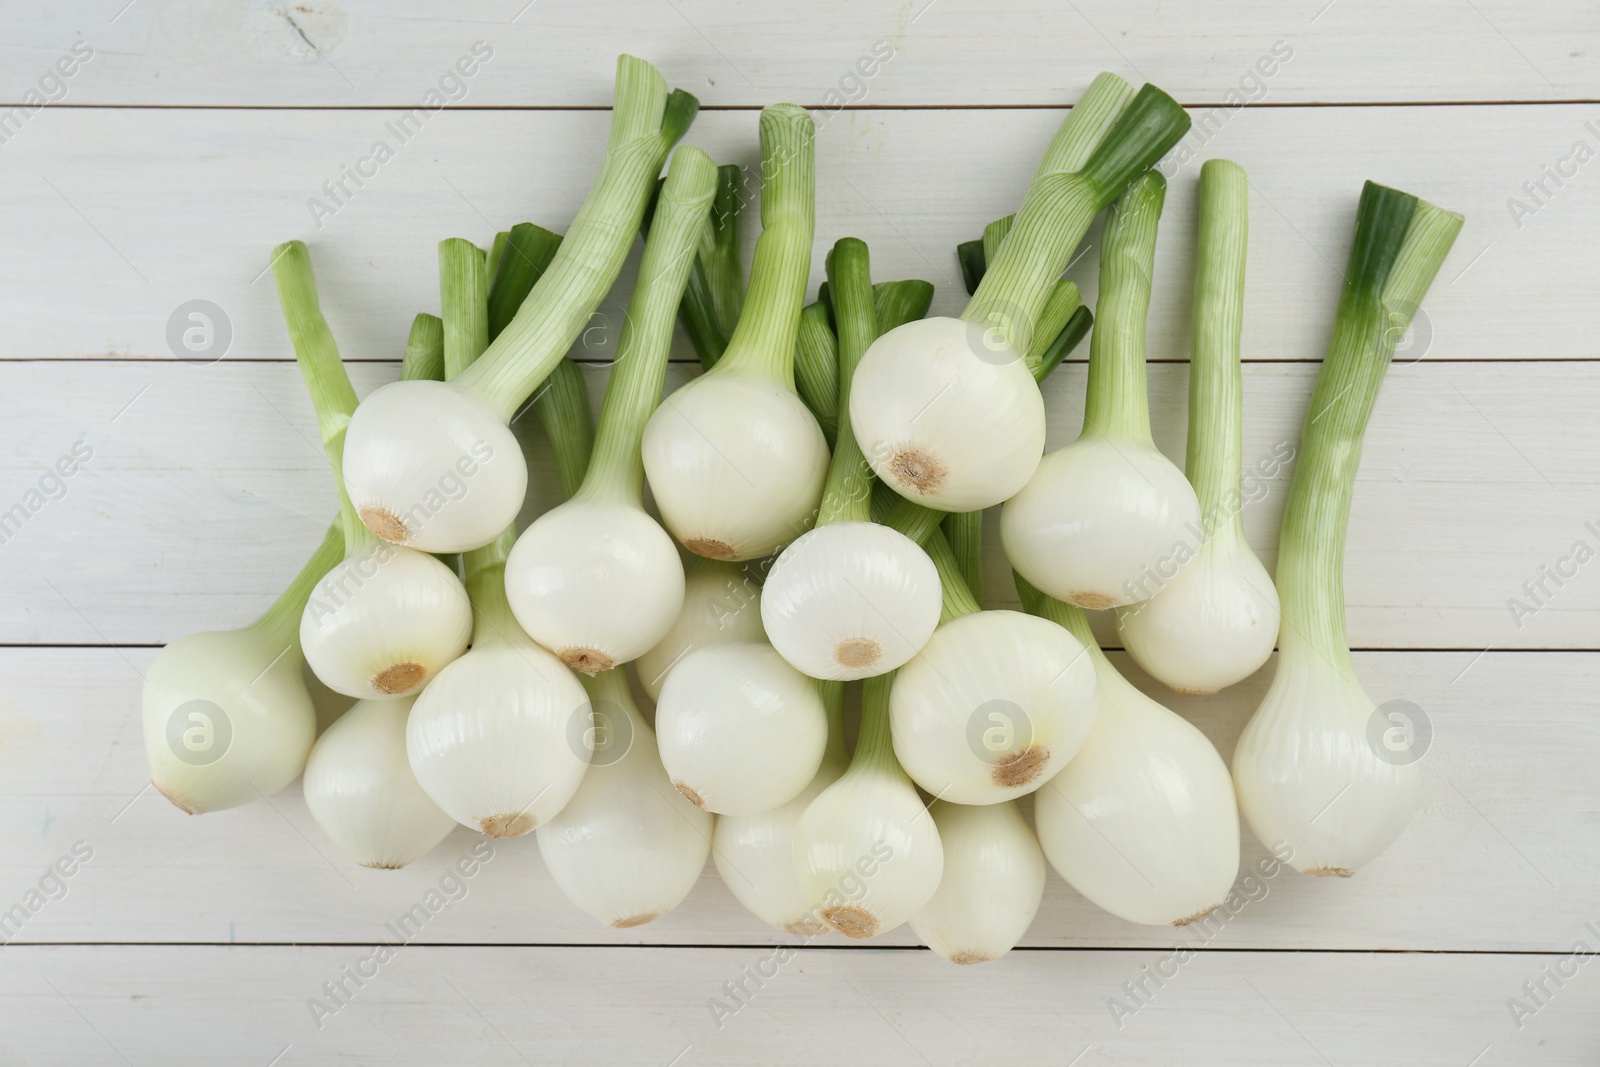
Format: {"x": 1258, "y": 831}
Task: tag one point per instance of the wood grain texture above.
{"x": 1491, "y": 862}
{"x": 448, "y": 1006}
{"x": 323, "y": 53}
{"x": 208, "y": 489}
{"x": 118, "y": 217}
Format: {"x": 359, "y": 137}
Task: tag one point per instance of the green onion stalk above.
{"x": 1319, "y": 769}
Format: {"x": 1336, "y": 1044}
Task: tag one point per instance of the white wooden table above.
{"x": 189, "y": 143}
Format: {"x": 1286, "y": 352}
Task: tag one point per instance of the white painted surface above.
{"x": 189, "y": 940}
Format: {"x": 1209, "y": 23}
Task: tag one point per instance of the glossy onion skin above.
{"x": 850, "y": 582}
{"x": 500, "y": 739}
{"x": 1309, "y": 743}
{"x": 867, "y": 847}
{"x": 594, "y": 575}
{"x": 1143, "y": 822}
{"x": 946, "y": 416}
{"x": 627, "y": 848}
{"x": 440, "y": 463}
{"x": 989, "y": 686}
{"x": 754, "y": 855}
{"x": 740, "y": 728}
{"x": 1213, "y": 625}
{"x": 360, "y": 788}
{"x": 992, "y": 885}
{"x": 230, "y": 690}
{"x": 380, "y": 608}
{"x": 736, "y": 464}
{"x": 1098, "y": 518}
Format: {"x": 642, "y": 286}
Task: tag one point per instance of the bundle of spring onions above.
{"x": 813, "y": 542}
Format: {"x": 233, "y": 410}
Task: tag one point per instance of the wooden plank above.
{"x": 206, "y": 489}
{"x": 131, "y": 214}
{"x": 360, "y": 52}
{"x": 183, "y": 1006}
{"x": 1489, "y": 864}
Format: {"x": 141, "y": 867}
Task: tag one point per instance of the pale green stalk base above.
{"x": 332, "y": 395}
{"x": 846, "y": 495}
{"x": 645, "y": 123}
{"x": 816, "y": 368}
{"x": 875, "y": 743}
{"x": 464, "y": 299}
{"x": 1216, "y": 378}
{"x": 964, "y": 530}
{"x": 957, "y": 599}
{"x": 493, "y": 623}
{"x": 424, "y": 358}
{"x": 281, "y": 621}
{"x": 1399, "y": 245}
{"x": 764, "y": 341}
{"x": 616, "y": 471}
{"x": 832, "y": 694}
{"x": 1117, "y": 404}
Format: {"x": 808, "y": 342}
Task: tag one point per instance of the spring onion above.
{"x": 850, "y": 598}
{"x": 1216, "y": 622}
{"x": 754, "y": 854}
{"x": 992, "y": 885}
{"x": 997, "y": 702}
{"x": 360, "y": 789}
{"x": 946, "y": 410}
{"x": 433, "y": 465}
{"x": 386, "y": 619}
{"x": 226, "y": 714}
{"x": 1143, "y": 821}
{"x": 868, "y": 854}
{"x": 740, "y": 730}
{"x": 1102, "y": 513}
{"x": 627, "y": 848}
{"x": 597, "y": 580}
{"x": 498, "y": 739}
{"x": 1306, "y": 772}
{"x": 735, "y": 460}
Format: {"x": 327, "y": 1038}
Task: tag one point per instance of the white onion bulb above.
{"x": 598, "y": 582}
{"x": 996, "y": 704}
{"x": 360, "y": 788}
{"x": 740, "y": 730}
{"x": 721, "y": 603}
{"x": 850, "y": 600}
{"x": 384, "y": 621}
{"x": 1099, "y": 519}
{"x": 227, "y": 718}
{"x": 1143, "y": 821}
{"x": 1213, "y": 625}
{"x": 868, "y": 853}
{"x": 947, "y": 414}
{"x": 627, "y": 848}
{"x": 755, "y": 853}
{"x": 1310, "y": 774}
{"x": 992, "y": 885}
{"x": 736, "y": 463}
{"x": 458, "y": 480}
{"x": 500, "y": 739}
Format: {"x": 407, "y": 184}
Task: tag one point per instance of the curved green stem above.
{"x": 1400, "y": 243}
{"x": 645, "y": 122}
{"x": 964, "y": 531}
{"x": 616, "y": 470}
{"x": 281, "y": 621}
{"x": 317, "y": 355}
